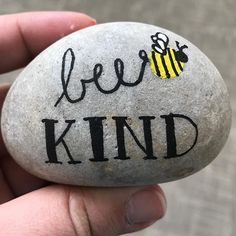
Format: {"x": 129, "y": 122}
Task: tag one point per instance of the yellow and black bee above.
{"x": 166, "y": 62}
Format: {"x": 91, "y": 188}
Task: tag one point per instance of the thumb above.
{"x": 66, "y": 210}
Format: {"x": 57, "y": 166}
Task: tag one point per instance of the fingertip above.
{"x": 146, "y": 206}
{"x": 162, "y": 195}
{"x": 89, "y": 20}
{"x": 73, "y": 21}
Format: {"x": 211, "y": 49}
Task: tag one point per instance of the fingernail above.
{"x": 88, "y": 19}
{"x": 146, "y": 206}
{"x": 94, "y": 21}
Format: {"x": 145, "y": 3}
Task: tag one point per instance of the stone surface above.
{"x": 93, "y": 110}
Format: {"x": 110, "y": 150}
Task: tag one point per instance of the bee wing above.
{"x": 162, "y": 37}
{"x": 160, "y": 42}
{"x": 158, "y": 49}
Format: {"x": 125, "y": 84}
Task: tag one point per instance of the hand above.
{"x": 31, "y": 206}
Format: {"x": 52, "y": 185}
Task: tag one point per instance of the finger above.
{"x": 14, "y": 181}
{"x": 64, "y": 210}
{"x": 5, "y": 192}
{"x": 18, "y": 180}
{"x": 24, "y": 35}
{"x": 3, "y": 92}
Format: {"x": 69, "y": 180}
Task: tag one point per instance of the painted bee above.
{"x": 166, "y": 62}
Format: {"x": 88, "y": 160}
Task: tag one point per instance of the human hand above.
{"x": 31, "y": 206}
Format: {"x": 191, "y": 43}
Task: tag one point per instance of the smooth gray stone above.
{"x": 90, "y": 110}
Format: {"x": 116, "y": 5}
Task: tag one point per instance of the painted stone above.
{"x": 117, "y": 104}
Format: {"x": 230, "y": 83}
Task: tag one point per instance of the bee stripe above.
{"x": 180, "y": 65}
{"x": 175, "y": 62}
{"x": 155, "y": 63}
{"x": 160, "y": 65}
{"x": 172, "y": 63}
{"x": 163, "y": 59}
{"x": 169, "y": 65}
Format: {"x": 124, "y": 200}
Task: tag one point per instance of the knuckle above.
{"x": 78, "y": 213}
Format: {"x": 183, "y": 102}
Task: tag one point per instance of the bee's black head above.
{"x": 180, "y": 55}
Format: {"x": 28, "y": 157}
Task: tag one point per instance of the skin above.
{"x": 32, "y": 206}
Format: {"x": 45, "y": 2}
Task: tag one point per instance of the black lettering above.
{"x": 51, "y": 143}
{"x": 120, "y": 124}
{"x": 68, "y": 61}
{"x": 170, "y": 134}
{"x": 97, "y": 141}
{"x": 148, "y": 136}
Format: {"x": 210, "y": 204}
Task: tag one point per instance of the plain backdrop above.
{"x": 205, "y": 203}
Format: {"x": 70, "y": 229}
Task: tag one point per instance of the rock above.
{"x": 117, "y": 104}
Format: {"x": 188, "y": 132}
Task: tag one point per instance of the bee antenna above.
{"x": 177, "y": 44}
{"x": 182, "y": 47}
